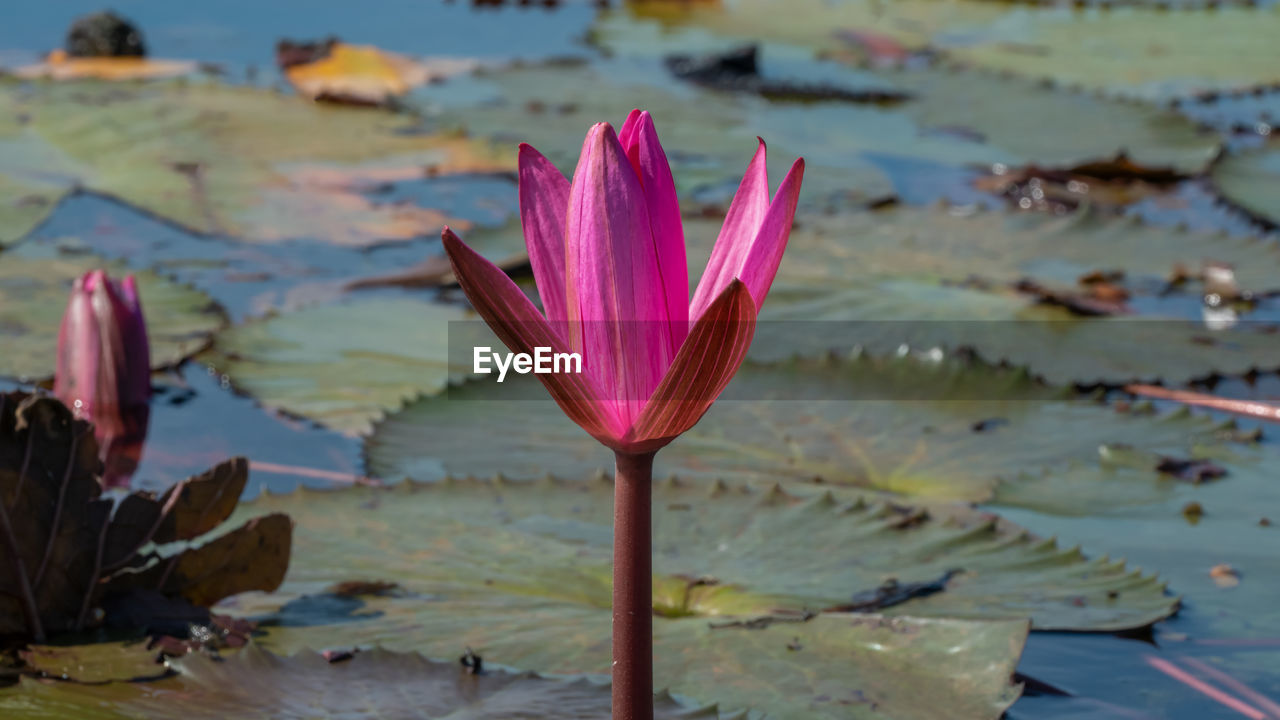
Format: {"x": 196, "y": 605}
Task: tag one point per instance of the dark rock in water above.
{"x": 300, "y": 52}
{"x": 104, "y": 34}
{"x": 738, "y": 70}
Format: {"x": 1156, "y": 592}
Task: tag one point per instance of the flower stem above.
{"x": 633, "y": 588}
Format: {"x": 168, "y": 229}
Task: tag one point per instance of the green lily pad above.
{"x": 928, "y": 278}
{"x": 709, "y": 137}
{"x": 95, "y": 662}
{"x": 709, "y": 134}
{"x": 811, "y": 24}
{"x": 998, "y": 247}
{"x": 951, "y": 429}
{"x": 33, "y": 297}
{"x": 1147, "y": 52}
{"x": 234, "y": 161}
{"x": 1160, "y": 535}
{"x": 754, "y": 542}
{"x": 343, "y": 365}
{"x": 953, "y": 116}
{"x": 519, "y": 571}
{"x": 1053, "y": 127}
{"x": 253, "y": 683}
{"x": 34, "y": 176}
{"x": 24, "y": 204}
{"x": 1251, "y": 181}
{"x": 1091, "y": 506}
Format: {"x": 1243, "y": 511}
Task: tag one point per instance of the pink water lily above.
{"x": 103, "y": 370}
{"x": 608, "y": 256}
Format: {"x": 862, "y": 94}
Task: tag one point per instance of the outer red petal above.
{"x": 515, "y": 320}
{"x": 716, "y": 346}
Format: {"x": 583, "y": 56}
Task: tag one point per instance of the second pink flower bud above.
{"x": 104, "y": 369}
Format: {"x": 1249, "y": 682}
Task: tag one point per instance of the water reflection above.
{"x": 197, "y": 422}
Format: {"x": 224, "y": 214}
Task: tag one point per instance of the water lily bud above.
{"x": 104, "y": 369}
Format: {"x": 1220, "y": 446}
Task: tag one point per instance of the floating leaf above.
{"x": 954, "y": 119}
{"x": 65, "y": 551}
{"x": 95, "y": 663}
{"x": 1091, "y": 506}
{"x": 1251, "y": 181}
{"x": 1002, "y": 248}
{"x": 341, "y": 365}
{"x": 927, "y": 278}
{"x": 57, "y": 65}
{"x": 366, "y": 75}
{"x": 33, "y": 296}
{"x": 1147, "y": 52}
{"x": 708, "y": 137}
{"x": 257, "y": 684}
{"x": 520, "y": 572}
{"x": 24, "y": 204}
{"x": 900, "y": 425}
{"x": 738, "y": 549}
{"x": 850, "y": 149}
{"x": 503, "y": 245}
{"x": 1235, "y": 629}
{"x": 224, "y": 160}
{"x": 1054, "y": 127}
{"x": 813, "y": 24}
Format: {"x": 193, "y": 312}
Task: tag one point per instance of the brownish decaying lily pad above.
{"x": 66, "y": 552}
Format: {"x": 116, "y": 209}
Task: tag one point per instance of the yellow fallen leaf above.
{"x": 365, "y": 75}
{"x": 58, "y": 65}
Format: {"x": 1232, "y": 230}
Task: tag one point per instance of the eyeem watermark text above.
{"x": 541, "y": 362}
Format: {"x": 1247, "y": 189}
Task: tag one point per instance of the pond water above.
{"x": 239, "y": 33}
{"x": 198, "y": 419}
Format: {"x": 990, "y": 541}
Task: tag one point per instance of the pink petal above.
{"x": 615, "y": 295}
{"x": 639, "y": 138}
{"x": 90, "y": 357}
{"x": 764, "y": 253}
{"x": 714, "y": 351}
{"x": 137, "y": 390}
{"x": 544, "y": 200}
{"x": 110, "y": 314}
{"x": 517, "y": 322}
{"x": 79, "y": 348}
{"x": 746, "y": 213}
{"x": 627, "y": 133}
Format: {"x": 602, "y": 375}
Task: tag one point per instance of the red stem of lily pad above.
{"x": 1251, "y": 408}
{"x": 633, "y": 587}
